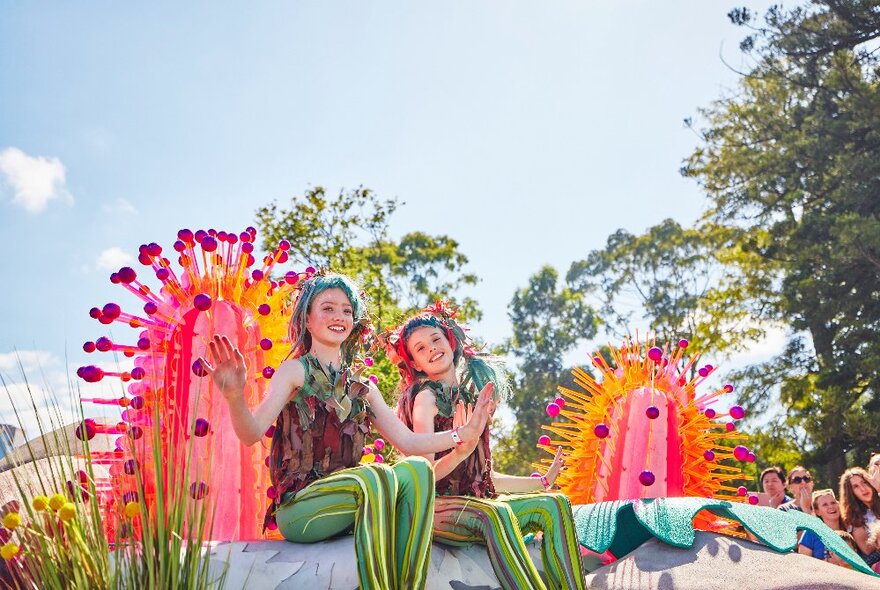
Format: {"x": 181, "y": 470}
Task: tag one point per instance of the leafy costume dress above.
{"x": 321, "y": 490}
{"x": 468, "y": 510}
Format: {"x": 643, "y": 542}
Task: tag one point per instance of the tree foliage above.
{"x": 548, "y": 320}
{"x": 791, "y": 163}
{"x": 349, "y": 233}
{"x": 677, "y": 280}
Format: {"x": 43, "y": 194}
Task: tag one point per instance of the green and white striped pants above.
{"x": 390, "y": 508}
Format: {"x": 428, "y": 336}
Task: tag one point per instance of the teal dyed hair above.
{"x": 301, "y": 339}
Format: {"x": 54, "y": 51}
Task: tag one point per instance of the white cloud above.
{"x": 29, "y": 360}
{"x": 34, "y": 180}
{"x": 112, "y": 259}
{"x": 119, "y": 207}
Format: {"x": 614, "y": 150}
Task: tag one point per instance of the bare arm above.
{"x": 229, "y": 373}
{"x": 860, "y": 535}
{"x": 409, "y": 443}
{"x": 515, "y": 484}
{"x": 804, "y": 550}
{"x": 424, "y": 412}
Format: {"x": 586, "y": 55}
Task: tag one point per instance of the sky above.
{"x": 526, "y": 131}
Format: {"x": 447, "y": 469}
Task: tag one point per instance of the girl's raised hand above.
{"x": 556, "y": 466}
{"x": 227, "y": 367}
{"x": 482, "y": 411}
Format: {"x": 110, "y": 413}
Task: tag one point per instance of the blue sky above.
{"x": 526, "y": 131}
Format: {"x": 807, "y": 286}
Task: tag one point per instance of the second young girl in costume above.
{"x": 438, "y": 370}
{"x": 322, "y": 410}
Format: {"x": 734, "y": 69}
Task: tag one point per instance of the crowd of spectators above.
{"x": 852, "y": 513}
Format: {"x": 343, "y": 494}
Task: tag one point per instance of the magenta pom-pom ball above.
{"x": 137, "y": 402}
{"x": 646, "y": 478}
{"x": 751, "y": 458}
{"x": 264, "y": 309}
{"x": 270, "y": 432}
{"x": 374, "y": 379}
{"x": 379, "y": 444}
{"x": 368, "y": 361}
{"x": 741, "y": 453}
{"x": 111, "y": 310}
{"x": 202, "y": 302}
{"x": 559, "y": 401}
{"x": 86, "y": 430}
{"x": 208, "y": 244}
{"x": 89, "y": 346}
{"x": 742, "y": 491}
{"x": 135, "y": 432}
{"x": 379, "y": 459}
{"x": 737, "y": 412}
{"x": 703, "y": 372}
{"x": 710, "y": 413}
{"x": 201, "y": 427}
{"x": 652, "y": 412}
{"x": 103, "y": 344}
{"x": 138, "y": 373}
{"x": 162, "y": 274}
{"x": 129, "y": 497}
{"x": 257, "y": 275}
{"x": 728, "y": 388}
{"x": 150, "y": 308}
{"x": 186, "y": 235}
{"x": 129, "y": 467}
{"x": 655, "y": 354}
{"x": 271, "y": 493}
{"x": 544, "y": 440}
{"x": 683, "y": 343}
{"x": 127, "y": 274}
{"x": 143, "y": 343}
{"x": 268, "y": 372}
{"x": 601, "y": 430}
{"x": 709, "y": 455}
{"x": 291, "y": 277}
{"x": 198, "y": 369}
{"x": 753, "y": 500}
{"x": 730, "y": 426}
{"x": 311, "y": 270}
{"x": 90, "y": 373}
{"x": 95, "y": 313}
{"x": 265, "y": 344}
{"x": 198, "y": 490}
{"x": 552, "y": 410}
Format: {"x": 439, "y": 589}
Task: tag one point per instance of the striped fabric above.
{"x": 390, "y": 508}
{"x": 500, "y": 524}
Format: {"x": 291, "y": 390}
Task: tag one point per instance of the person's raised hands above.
{"x": 227, "y": 367}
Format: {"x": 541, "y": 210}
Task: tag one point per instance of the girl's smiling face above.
{"x": 330, "y": 318}
{"x": 430, "y": 351}
{"x": 827, "y": 507}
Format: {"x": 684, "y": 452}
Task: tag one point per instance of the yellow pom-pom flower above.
{"x": 368, "y": 458}
{"x": 57, "y": 501}
{"x": 67, "y": 511}
{"x": 132, "y": 509}
{"x": 12, "y": 520}
{"x": 40, "y": 503}
{"x": 8, "y": 551}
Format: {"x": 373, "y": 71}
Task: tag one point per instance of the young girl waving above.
{"x": 439, "y": 369}
{"x": 322, "y": 411}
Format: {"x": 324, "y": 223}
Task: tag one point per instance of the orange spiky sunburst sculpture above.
{"x": 215, "y": 291}
{"x": 641, "y": 430}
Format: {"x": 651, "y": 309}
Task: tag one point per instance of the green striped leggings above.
{"x": 390, "y": 508}
{"x": 500, "y": 524}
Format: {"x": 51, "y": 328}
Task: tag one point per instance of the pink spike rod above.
{"x": 104, "y": 401}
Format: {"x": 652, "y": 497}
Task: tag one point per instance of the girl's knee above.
{"x": 421, "y": 469}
